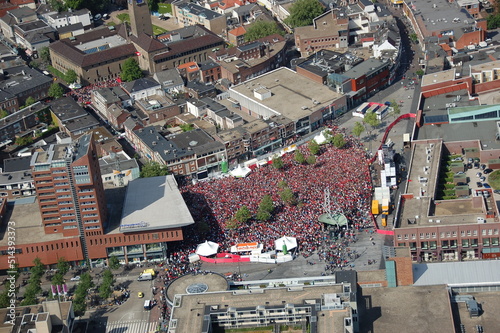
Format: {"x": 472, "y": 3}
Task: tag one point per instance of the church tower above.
{"x": 140, "y": 18}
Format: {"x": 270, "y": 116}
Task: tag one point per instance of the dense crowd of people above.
{"x": 83, "y": 95}
{"x": 345, "y": 172}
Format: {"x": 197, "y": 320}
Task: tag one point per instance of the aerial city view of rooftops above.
{"x": 193, "y": 166}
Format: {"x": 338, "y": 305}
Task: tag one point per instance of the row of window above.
{"x": 452, "y": 244}
{"x": 448, "y": 234}
{"x": 134, "y": 238}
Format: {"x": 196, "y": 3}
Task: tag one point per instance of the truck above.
{"x": 384, "y": 219}
{"x": 145, "y": 277}
{"x": 150, "y": 271}
{"x": 375, "y": 207}
{"x": 385, "y": 205}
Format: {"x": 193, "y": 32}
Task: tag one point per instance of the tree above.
{"x": 55, "y": 90}
{"x": 262, "y": 29}
{"x": 114, "y": 263}
{"x": 186, "y": 127}
{"x": 24, "y": 141}
{"x": 278, "y": 162}
{"x": 339, "y": 141}
{"x": 153, "y": 5}
{"x": 56, "y": 5}
{"x": 38, "y": 268}
{"x": 420, "y": 72}
{"x": 358, "y": 129}
{"x": 371, "y": 120}
{"x": 266, "y": 204}
{"x": 288, "y": 197}
{"x": 396, "y": 110}
{"x": 493, "y": 21}
{"x": 153, "y": 169}
{"x": 62, "y": 265}
{"x": 299, "y": 157}
{"x": 57, "y": 279}
{"x": 70, "y": 76}
{"x": 311, "y": 159}
{"x": 303, "y": 12}
{"x": 263, "y": 215}
{"x": 282, "y": 184}
{"x": 131, "y": 70}
{"x": 29, "y": 101}
{"x": 232, "y": 224}
{"x": 3, "y": 113}
{"x": 74, "y": 4}
{"x": 413, "y": 37}
{"x": 44, "y": 54}
{"x": 243, "y": 214}
{"x": 314, "y": 147}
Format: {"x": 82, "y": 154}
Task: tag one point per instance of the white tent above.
{"x": 320, "y": 138}
{"x": 207, "y": 249}
{"x": 290, "y": 242}
{"x": 240, "y": 172}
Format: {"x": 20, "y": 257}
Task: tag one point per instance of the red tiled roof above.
{"x": 21, "y": 2}
{"x": 238, "y": 31}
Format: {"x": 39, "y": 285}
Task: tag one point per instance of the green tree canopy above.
{"x": 153, "y": 5}
{"x": 288, "y": 197}
{"x": 266, "y": 204}
{"x": 3, "y": 113}
{"x": 303, "y": 12}
{"x": 413, "y": 37}
{"x": 153, "y": 169}
{"x": 29, "y": 101}
{"x": 243, "y": 214}
{"x": 278, "y": 162}
{"x": 396, "y": 110}
{"x": 232, "y": 224}
{"x": 371, "y": 120}
{"x": 70, "y": 76}
{"x": 282, "y": 184}
{"x": 339, "y": 141}
{"x": 62, "y": 265}
{"x": 262, "y": 29}
{"x": 114, "y": 263}
{"x": 57, "y": 279}
{"x": 419, "y": 72}
{"x": 131, "y": 70}
{"x": 299, "y": 157}
{"x": 311, "y": 159}
{"x": 55, "y": 90}
{"x": 314, "y": 147}
{"x": 358, "y": 129}
{"x": 44, "y": 54}
{"x": 186, "y": 127}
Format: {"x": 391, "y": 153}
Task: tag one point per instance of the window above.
{"x": 401, "y": 244}
{"x": 462, "y": 233}
{"x": 406, "y": 236}
{"x": 424, "y": 245}
{"x": 445, "y": 244}
{"x": 453, "y": 244}
{"x": 483, "y": 232}
{"x": 421, "y": 235}
{"x": 433, "y": 245}
{"x": 486, "y": 242}
{"x": 494, "y": 241}
{"x": 465, "y": 243}
{"x": 474, "y": 233}
{"x": 469, "y": 233}
{"x": 427, "y": 235}
{"x": 474, "y": 242}
{"x": 413, "y": 245}
{"x": 433, "y": 235}
{"x": 454, "y": 234}
{"x": 399, "y": 237}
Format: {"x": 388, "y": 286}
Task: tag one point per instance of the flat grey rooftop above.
{"x": 154, "y": 203}
{"x": 28, "y": 225}
{"x": 485, "y": 131}
{"x": 105, "y": 43}
{"x": 490, "y": 302}
{"x": 440, "y": 17}
{"x": 465, "y": 273}
{"x": 406, "y": 309}
{"x": 289, "y": 98}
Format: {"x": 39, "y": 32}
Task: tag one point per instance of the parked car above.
{"x": 469, "y": 165}
{"x": 486, "y": 194}
{"x": 487, "y": 171}
{"x": 486, "y": 185}
{"x": 479, "y": 184}
{"x": 483, "y": 166}
{"x": 483, "y": 178}
{"x": 470, "y": 160}
{"x": 496, "y": 191}
{"x": 476, "y": 165}
{"x": 76, "y": 278}
{"x": 479, "y": 174}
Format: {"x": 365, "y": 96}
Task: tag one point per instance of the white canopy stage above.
{"x": 207, "y": 249}
{"x": 290, "y": 242}
{"x": 240, "y": 172}
{"x": 320, "y": 138}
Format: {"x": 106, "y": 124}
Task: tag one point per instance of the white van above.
{"x": 145, "y": 277}
{"x": 147, "y": 304}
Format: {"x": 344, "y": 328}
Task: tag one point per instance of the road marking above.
{"x": 136, "y": 326}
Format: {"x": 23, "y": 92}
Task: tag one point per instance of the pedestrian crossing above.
{"x": 135, "y": 326}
